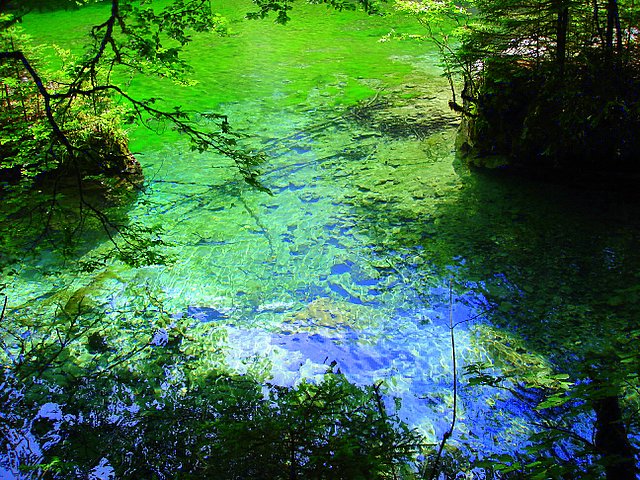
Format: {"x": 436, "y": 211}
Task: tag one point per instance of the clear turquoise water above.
{"x": 350, "y": 259}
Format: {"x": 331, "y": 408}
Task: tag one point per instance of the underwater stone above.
{"x": 323, "y": 350}
{"x": 393, "y": 162}
{"x": 366, "y": 282}
{"x": 340, "y": 290}
{"x": 341, "y": 268}
{"x": 384, "y": 181}
{"x": 206, "y": 314}
{"x": 365, "y": 135}
{"x": 309, "y": 197}
{"x": 324, "y": 312}
{"x": 300, "y": 150}
{"x": 277, "y": 307}
{"x": 335, "y": 243}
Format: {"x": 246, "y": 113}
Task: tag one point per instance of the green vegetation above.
{"x": 97, "y": 386}
{"x": 65, "y": 129}
{"x": 282, "y": 7}
{"x": 552, "y": 87}
{"x": 102, "y": 375}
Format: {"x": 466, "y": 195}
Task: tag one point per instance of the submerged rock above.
{"x": 206, "y": 314}
{"x": 417, "y": 114}
{"x": 324, "y": 314}
{"x": 347, "y": 354}
{"x": 277, "y": 307}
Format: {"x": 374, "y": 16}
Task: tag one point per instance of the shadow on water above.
{"x": 553, "y": 268}
{"x": 557, "y": 265}
{"x": 57, "y": 219}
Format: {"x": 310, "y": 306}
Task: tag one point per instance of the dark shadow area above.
{"x": 548, "y": 258}
{"x": 557, "y": 271}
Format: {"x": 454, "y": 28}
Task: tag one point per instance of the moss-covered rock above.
{"x": 581, "y": 125}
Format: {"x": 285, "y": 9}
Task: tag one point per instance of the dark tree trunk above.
{"x": 618, "y": 30}
{"x": 613, "y": 23}
{"x": 596, "y": 21}
{"x": 612, "y": 441}
{"x": 562, "y": 25}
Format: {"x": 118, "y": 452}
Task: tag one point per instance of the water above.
{"x": 371, "y": 217}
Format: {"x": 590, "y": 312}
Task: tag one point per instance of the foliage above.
{"x": 282, "y": 7}
{"x": 529, "y": 68}
{"x": 134, "y": 393}
{"x": 62, "y": 133}
{"x": 569, "y": 434}
{"x": 443, "y": 23}
{"x": 31, "y": 153}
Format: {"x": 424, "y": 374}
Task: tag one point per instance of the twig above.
{"x": 448, "y": 433}
{"x": 466, "y": 320}
{"x": 4, "y": 308}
